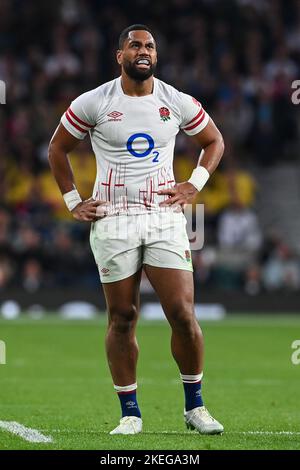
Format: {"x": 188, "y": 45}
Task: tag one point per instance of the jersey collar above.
{"x": 121, "y": 92}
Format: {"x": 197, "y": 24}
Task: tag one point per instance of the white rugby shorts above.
{"x": 122, "y": 244}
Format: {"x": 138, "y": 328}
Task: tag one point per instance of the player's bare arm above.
{"x": 61, "y": 144}
{"x": 211, "y": 141}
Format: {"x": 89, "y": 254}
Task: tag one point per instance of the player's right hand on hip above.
{"x": 90, "y": 210}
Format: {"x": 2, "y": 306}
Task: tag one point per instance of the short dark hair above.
{"x": 134, "y": 27}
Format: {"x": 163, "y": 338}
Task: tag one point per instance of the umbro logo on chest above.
{"x": 115, "y": 116}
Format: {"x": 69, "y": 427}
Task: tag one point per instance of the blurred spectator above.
{"x": 62, "y": 63}
{"x": 239, "y": 240}
{"x": 282, "y": 270}
{"x": 239, "y": 229}
{"x": 6, "y": 272}
{"x": 32, "y": 276}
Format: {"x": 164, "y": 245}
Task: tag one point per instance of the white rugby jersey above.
{"x": 133, "y": 139}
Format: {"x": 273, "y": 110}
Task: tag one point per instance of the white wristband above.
{"x": 199, "y": 177}
{"x": 72, "y": 199}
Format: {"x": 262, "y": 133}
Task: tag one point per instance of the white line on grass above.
{"x": 268, "y": 433}
{"x": 28, "y": 434}
{"x": 261, "y": 433}
{"x": 94, "y": 431}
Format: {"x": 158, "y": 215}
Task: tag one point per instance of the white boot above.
{"x": 201, "y": 420}
{"x": 128, "y": 425}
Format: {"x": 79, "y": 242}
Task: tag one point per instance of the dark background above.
{"x": 238, "y": 58}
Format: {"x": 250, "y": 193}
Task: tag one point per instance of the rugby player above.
{"x": 136, "y": 213}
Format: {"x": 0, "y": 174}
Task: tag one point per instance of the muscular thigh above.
{"x": 174, "y": 287}
{"x": 123, "y": 296}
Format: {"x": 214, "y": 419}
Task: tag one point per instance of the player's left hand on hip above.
{"x": 180, "y": 194}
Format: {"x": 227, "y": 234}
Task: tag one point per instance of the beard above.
{"x": 137, "y": 74}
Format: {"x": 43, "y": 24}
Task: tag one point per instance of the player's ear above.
{"x": 119, "y": 56}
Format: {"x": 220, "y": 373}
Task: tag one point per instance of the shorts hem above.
{"x": 171, "y": 267}
{"x": 118, "y": 278}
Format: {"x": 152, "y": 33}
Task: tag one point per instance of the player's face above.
{"x": 138, "y": 58}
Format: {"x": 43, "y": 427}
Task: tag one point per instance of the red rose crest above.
{"x": 164, "y": 114}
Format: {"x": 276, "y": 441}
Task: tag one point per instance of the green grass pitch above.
{"x": 56, "y": 381}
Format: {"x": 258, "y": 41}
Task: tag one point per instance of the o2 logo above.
{"x": 147, "y": 152}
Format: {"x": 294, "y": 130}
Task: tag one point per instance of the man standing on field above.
{"x": 136, "y": 212}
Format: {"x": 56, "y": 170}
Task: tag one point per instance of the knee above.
{"x": 123, "y": 319}
{"x": 182, "y": 318}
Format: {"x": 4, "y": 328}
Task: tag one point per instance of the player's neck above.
{"x": 136, "y": 88}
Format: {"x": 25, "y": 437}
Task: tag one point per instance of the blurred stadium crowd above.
{"x": 238, "y": 57}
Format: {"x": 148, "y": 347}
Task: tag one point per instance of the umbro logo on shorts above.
{"x": 114, "y": 115}
{"x": 105, "y": 271}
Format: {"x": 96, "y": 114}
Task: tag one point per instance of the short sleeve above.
{"x": 80, "y": 117}
{"x": 193, "y": 116}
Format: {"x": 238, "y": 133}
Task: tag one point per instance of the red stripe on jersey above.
{"x": 196, "y": 123}
{"x": 74, "y": 124}
{"x": 108, "y": 184}
{"x": 196, "y": 117}
{"x": 151, "y": 191}
{"x": 77, "y": 119}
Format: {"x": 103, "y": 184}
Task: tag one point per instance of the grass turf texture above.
{"x": 56, "y": 381}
